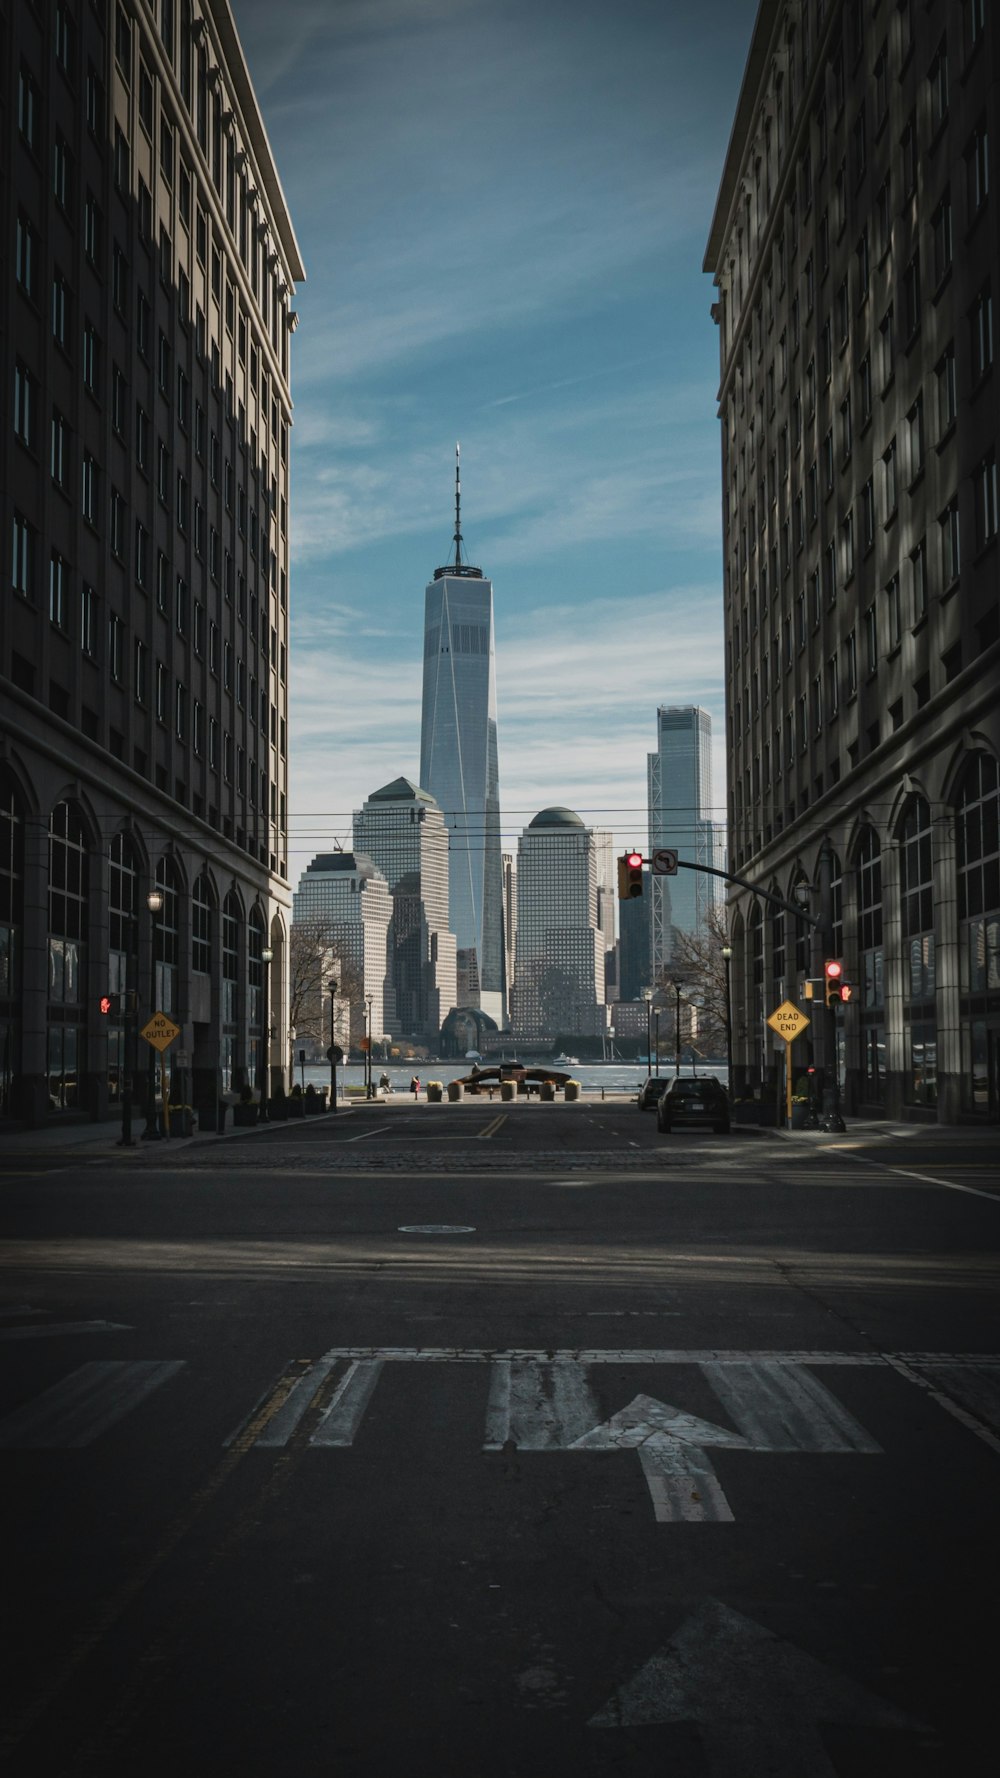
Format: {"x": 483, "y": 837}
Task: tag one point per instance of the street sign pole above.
{"x": 789, "y": 1022}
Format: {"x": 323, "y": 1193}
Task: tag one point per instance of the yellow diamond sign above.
{"x": 788, "y": 1021}
{"x": 160, "y": 1031}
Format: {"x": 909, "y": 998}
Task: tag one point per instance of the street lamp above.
{"x": 647, "y": 994}
{"x": 291, "y": 1057}
{"x": 154, "y": 902}
{"x": 368, "y": 1051}
{"x": 656, "y": 1038}
{"x": 727, "y": 958}
{"x": 266, "y": 958}
{"x": 332, "y": 985}
{"x": 676, "y": 985}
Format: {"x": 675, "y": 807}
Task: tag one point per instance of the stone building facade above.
{"x": 854, "y": 248}
{"x": 144, "y": 486}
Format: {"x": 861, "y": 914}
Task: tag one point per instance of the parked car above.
{"x": 694, "y": 1099}
{"x": 651, "y": 1091}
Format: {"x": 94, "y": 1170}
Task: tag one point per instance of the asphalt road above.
{"x": 501, "y": 1442}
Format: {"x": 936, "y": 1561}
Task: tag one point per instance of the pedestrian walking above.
{"x": 415, "y": 1086}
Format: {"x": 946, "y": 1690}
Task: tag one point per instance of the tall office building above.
{"x": 559, "y": 971}
{"x": 145, "y": 302}
{"x": 607, "y": 901}
{"x": 856, "y": 253}
{"x": 402, "y": 829}
{"x": 509, "y": 868}
{"x": 633, "y": 947}
{"x": 345, "y": 900}
{"x": 680, "y": 817}
{"x": 458, "y": 765}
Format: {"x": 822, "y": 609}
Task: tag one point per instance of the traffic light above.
{"x": 111, "y": 1005}
{"x": 629, "y": 876}
{"x": 837, "y": 990}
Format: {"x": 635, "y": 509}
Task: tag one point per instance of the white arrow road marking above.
{"x": 77, "y": 1410}
{"x": 681, "y": 1481}
{"x": 758, "y": 1700}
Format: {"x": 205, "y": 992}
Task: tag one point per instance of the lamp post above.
{"x": 266, "y": 958}
{"x": 368, "y": 1051}
{"x": 154, "y": 902}
{"x": 727, "y": 958}
{"x": 332, "y": 985}
{"x": 656, "y": 1037}
{"x": 291, "y": 1057}
{"x": 647, "y": 994}
{"x": 677, "y": 1026}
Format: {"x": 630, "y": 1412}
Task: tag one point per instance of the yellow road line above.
{"x": 491, "y": 1129}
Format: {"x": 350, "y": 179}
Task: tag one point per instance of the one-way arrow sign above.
{"x": 757, "y": 1700}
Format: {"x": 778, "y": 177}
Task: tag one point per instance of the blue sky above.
{"x": 502, "y": 207}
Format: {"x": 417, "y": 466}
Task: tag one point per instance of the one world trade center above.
{"x": 458, "y": 765}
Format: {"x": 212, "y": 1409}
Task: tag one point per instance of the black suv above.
{"x": 695, "y": 1099}
{"x": 651, "y": 1091}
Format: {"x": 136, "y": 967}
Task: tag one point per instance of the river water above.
{"x": 613, "y": 1077}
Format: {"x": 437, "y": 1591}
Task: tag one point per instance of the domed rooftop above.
{"x": 556, "y": 817}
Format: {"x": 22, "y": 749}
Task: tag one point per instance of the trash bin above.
{"x": 507, "y": 1089}
{"x": 454, "y": 1090}
{"x": 571, "y": 1090}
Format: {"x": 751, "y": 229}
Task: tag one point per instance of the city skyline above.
{"x": 532, "y": 328}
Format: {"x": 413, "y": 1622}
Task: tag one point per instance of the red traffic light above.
{"x": 106, "y": 1003}
{"x": 833, "y": 970}
{"x": 634, "y": 860}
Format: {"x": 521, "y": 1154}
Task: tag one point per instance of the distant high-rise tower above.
{"x": 344, "y": 899}
{"x": 458, "y": 764}
{"x": 559, "y": 972}
{"x": 680, "y": 816}
{"x": 401, "y": 829}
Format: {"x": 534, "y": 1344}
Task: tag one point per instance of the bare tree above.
{"x": 699, "y": 963}
{"x": 313, "y": 960}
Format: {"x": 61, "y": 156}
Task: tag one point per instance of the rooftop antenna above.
{"x": 458, "y": 506}
{"x": 458, "y": 567}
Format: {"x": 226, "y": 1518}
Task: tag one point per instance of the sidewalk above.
{"x": 93, "y": 1140}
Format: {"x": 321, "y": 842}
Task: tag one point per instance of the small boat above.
{"x": 570, "y": 1061}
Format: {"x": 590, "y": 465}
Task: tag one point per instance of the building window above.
{"x": 89, "y": 488}
{"x": 201, "y": 925}
{"x": 947, "y": 391}
{"x": 937, "y": 79}
{"x": 883, "y": 218}
{"x": 91, "y": 358}
{"x": 869, "y": 899}
{"x": 60, "y": 310}
{"x": 981, "y": 330}
{"x": 162, "y": 682}
{"x": 950, "y": 551}
{"x": 25, "y": 255}
{"x": 868, "y": 515}
{"x": 58, "y": 590}
{"x": 894, "y": 622}
{"x": 918, "y": 560}
{"x": 887, "y": 340}
{"x": 68, "y": 908}
{"x": 915, "y": 439}
{"x": 917, "y": 932}
{"x": 140, "y": 688}
{"x": 851, "y": 664}
{"x": 985, "y": 484}
{"x": 88, "y": 620}
{"x": 977, "y": 168}
{"x": 889, "y": 480}
{"x": 116, "y": 647}
{"x": 911, "y": 297}
{"x": 942, "y": 238}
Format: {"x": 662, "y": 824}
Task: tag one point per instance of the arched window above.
{"x": 67, "y": 914}
{"x": 231, "y": 921}
{"x": 11, "y": 922}
{"x": 777, "y": 949}
{"x": 870, "y": 957}
{"x": 977, "y": 833}
{"x": 917, "y": 931}
{"x": 167, "y": 931}
{"x": 801, "y": 896}
{"x": 201, "y": 926}
{"x": 755, "y": 1010}
{"x": 255, "y": 990}
{"x": 123, "y": 902}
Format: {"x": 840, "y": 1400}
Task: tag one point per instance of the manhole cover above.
{"x": 436, "y": 1228}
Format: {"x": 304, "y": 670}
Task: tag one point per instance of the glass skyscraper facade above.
{"x": 402, "y": 829}
{"x": 559, "y": 974}
{"x": 680, "y": 816}
{"x": 459, "y": 766}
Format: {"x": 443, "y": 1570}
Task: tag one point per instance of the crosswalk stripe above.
{"x": 77, "y": 1410}
{"x": 281, "y": 1427}
{"x": 542, "y": 1407}
{"x": 783, "y": 1407}
{"x": 339, "y": 1421}
{"x": 683, "y": 1485}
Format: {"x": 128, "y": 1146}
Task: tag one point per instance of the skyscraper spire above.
{"x": 458, "y": 506}
{"x": 464, "y": 570}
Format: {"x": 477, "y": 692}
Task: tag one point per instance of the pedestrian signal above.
{"x": 111, "y": 1005}
{"x": 630, "y": 876}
